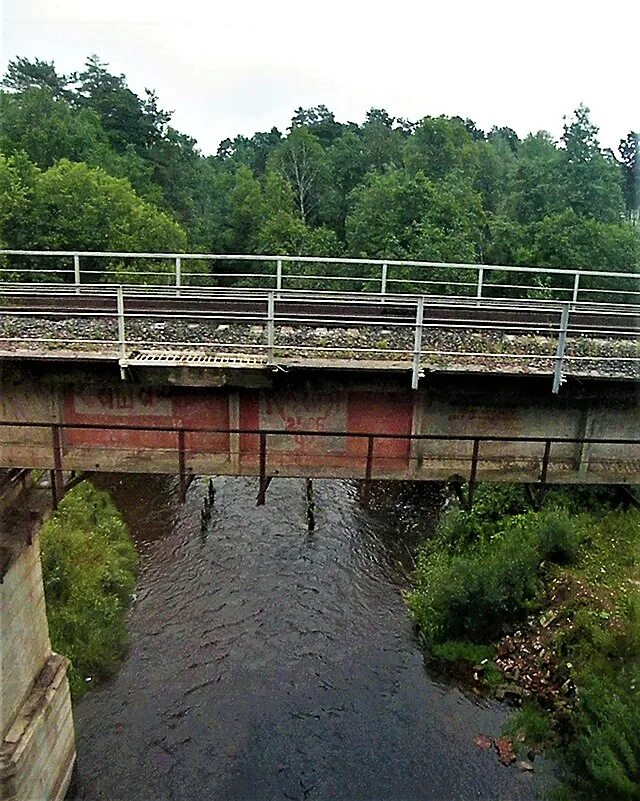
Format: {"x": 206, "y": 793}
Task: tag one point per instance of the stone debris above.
{"x": 483, "y": 742}
{"x": 506, "y": 754}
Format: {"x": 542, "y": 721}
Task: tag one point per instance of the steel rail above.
{"x": 188, "y": 291}
{"x": 307, "y": 309}
{"x": 100, "y": 292}
{"x": 195, "y": 293}
{"x": 465, "y": 323}
{"x": 482, "y": 273}
{"x": 461, "y": 322}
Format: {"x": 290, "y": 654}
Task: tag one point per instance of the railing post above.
{"x": 545, "y": 462}
{"x": 576, "y": 287}
{"x": 182, "y": 466}
{"x": 122, "y": 339}
{"x": 417, "y": 343}
{"x": 383, "y": 282}
{"x": 480, "y": 282}
{"x": 263, "y": 481}
{"x": 178, "y": 275}
{"x": 57, "y": 476}
{"x": 368, "y": 471}
{"x": 474, "y": 473}
{"x": 271, "y": 306}
{"x": 76, "y": 271}
{"x": 562, "y": 341}
{"x": 279, "y": 274}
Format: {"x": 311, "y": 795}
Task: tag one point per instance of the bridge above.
{"x": 289, "y": 366}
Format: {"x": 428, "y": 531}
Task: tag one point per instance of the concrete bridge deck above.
{"x": 365, "y": 425}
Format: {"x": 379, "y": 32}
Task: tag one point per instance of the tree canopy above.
{"x": 85, "y": 162}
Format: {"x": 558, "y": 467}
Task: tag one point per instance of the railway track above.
{"x": 316, "y": 309}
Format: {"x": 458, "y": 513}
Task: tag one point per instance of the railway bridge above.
{"x": 289, "y": 366}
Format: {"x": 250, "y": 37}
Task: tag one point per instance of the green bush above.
{"x": 463, "y": 651}
{"x": 89, "y": 567}
{"x": 478, "y": 574}
{"x": 557, "y": 534}
{"x": 472, "y": 595}
{"x": 486, "y": 569}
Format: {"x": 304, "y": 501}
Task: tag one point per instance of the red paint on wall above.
{"x": 384, "y": 413}
{"x": 143, "y": 406}
{"x": 361, "y": 412}
{"x": 342, "y": 412}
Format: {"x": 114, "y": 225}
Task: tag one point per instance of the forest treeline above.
{"x": 86, "y": 163}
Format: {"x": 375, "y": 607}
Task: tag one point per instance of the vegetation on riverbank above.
{"x": 89, "y": 570}
{"x": 544, "y": 607}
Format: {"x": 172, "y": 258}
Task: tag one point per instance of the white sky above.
{"x": 238, "y": 67}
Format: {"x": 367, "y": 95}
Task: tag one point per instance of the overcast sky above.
{"x": 238, "y": 67}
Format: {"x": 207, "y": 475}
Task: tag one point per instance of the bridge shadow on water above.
{"x": 271, "y": 662}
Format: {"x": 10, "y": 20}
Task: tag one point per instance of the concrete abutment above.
{"x": 37, "y": 742}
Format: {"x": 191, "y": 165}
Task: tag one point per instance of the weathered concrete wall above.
{"x": 320, "y": 401}
{"x": 37, "y": 748}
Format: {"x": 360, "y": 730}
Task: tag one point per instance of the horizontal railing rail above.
{"x": 262, "y": 452}
{"x": 387, "y": 278}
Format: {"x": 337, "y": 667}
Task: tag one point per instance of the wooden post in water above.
{"x": 311, "y": 507}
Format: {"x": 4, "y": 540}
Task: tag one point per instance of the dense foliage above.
{"x": 89, "y": 567}
{"x": 88, "y": 164}
{"x": 576, "y": 562}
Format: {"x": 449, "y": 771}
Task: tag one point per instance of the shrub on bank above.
{"x": 471, "y": 595}
{"x": 482, "y": 574}
{"x": 606, "y": 748}
{"x": 89, "y": 568}
{"x": 476, "y": 576}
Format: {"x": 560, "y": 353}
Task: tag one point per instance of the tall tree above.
{"x": 538, "y": 180}
{"x": 399, "y": 216}
{"x": 320, "y": 121}
{"x": 630, "y": 155}
{"x": 23, "y": 74}
{"x": 592, "y": 179}
{"x": 439, "y": 146}
{"x": 283, "y": 231}
{"x": 127, "y": 119}
{"x": 75, "y": 207}
{"x": 301, "y": 160}
{"x": 382, "y": 144}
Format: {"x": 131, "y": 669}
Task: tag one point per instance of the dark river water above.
{"x": 268, "y": 662}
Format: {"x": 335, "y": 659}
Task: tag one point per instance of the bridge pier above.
{"x": 37, "y": 743}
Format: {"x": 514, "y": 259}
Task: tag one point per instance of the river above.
{"x": 268, "y": 662}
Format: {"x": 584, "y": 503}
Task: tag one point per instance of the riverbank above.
{"x": 543, "y": 608}
{"x": 89, "y": 572}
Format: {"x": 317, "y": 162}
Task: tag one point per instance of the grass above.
{"x": 89, "y": 570}
{"x": 530, "y": 727}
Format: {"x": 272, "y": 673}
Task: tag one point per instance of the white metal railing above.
{"x": 407, "y": 317}
{"x": 385, "y": 276}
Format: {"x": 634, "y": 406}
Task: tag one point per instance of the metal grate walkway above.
{"x": 169, "y": 358}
